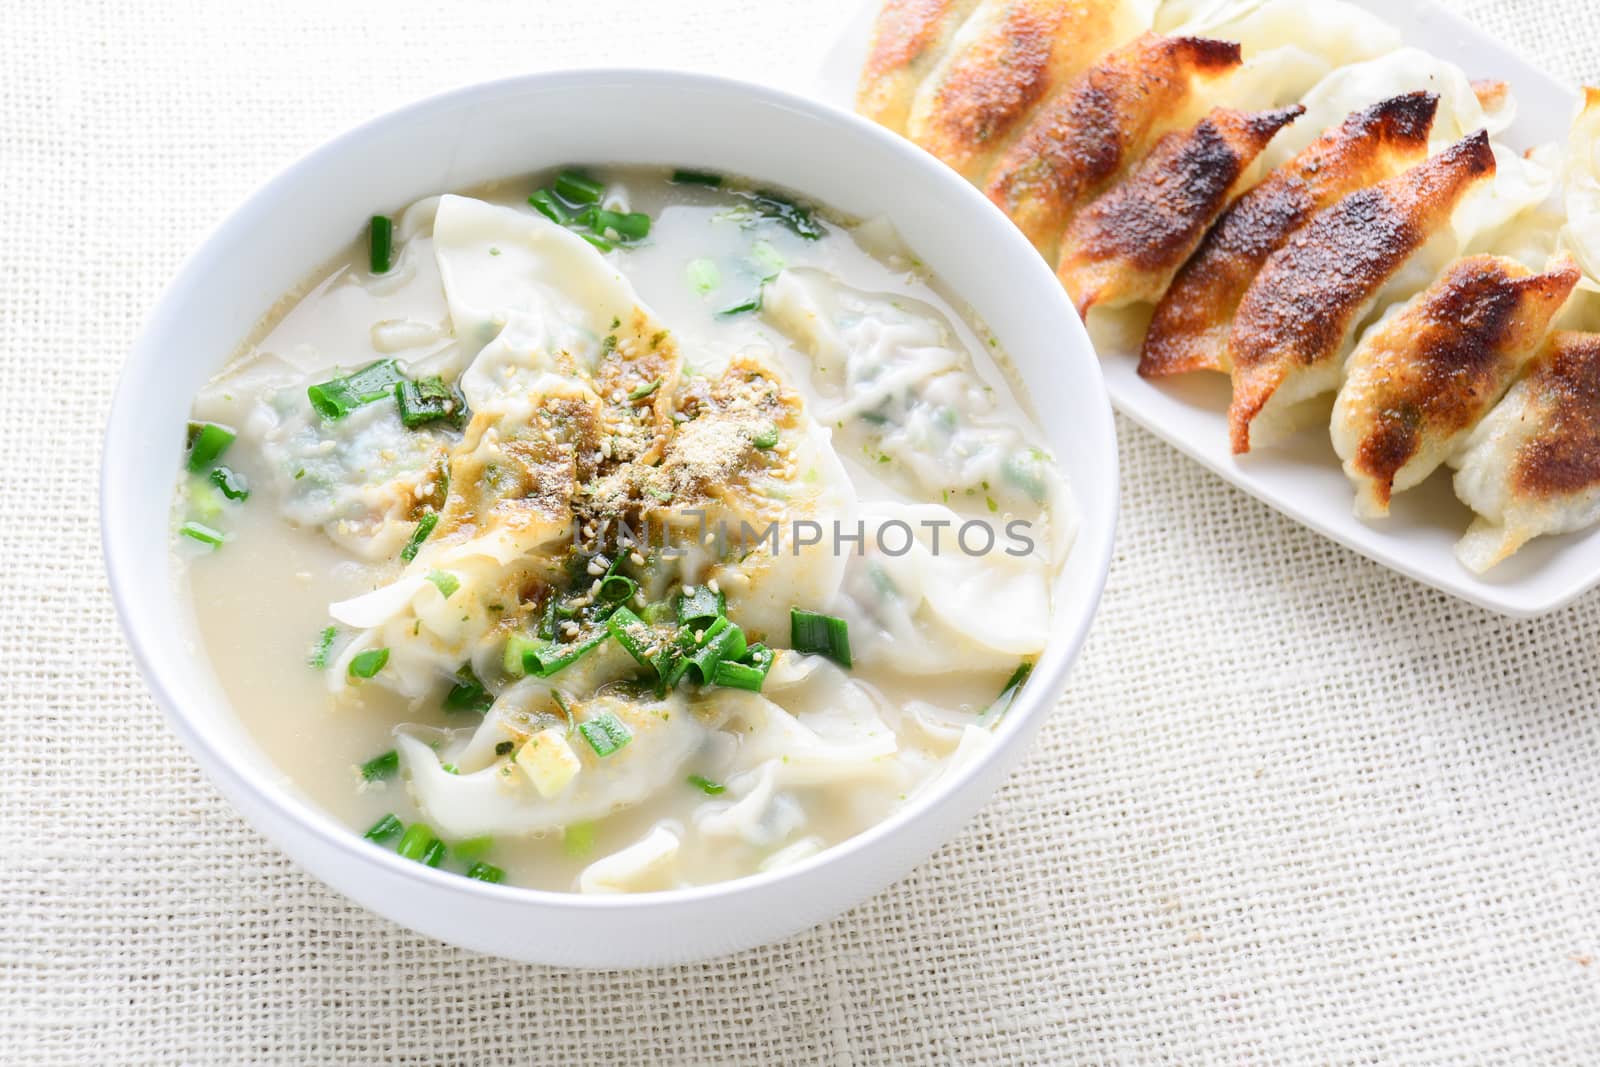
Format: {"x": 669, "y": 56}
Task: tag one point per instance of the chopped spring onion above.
{"x": 767, "y": 438}
{"x": 323, "y": 648}
{"x": 425, "y": 527}
{"x": 486, "y": 872}
{"x": 381, "y": 766}
{"x": 231, "y": 483}
{"x": 632, "y": 634}
{"x": 468, "y": 694}
{"x": 1008, "y": 695}
{"x": 385, "y": 828}
{"x": 338, "y": 397}
{"x": 751, "y": 304}
{"x": 416, "y": 841}
{"x": 577, "y": 839}
{"x": 703, "y": 276}
{"x": 628, "y": 226}
{"x": 648, "y": 388}
{"x": 576, "y": 187}
{"x": 769, "y": 262}
{"x": 696, "y": 177}
{"x": 445, "y": 582}
{"x": 548, "y": 658}
{"x": 367, "y": 664}
{"x": 449, "y": 768}
{"x": 519, "y": 647}
{"x": 706, "y": 785}
{"x": 429, "y": 400}
{"x": 199, "y": 531}
{"x": 824, "y": 635}
{"x": 795, "y": 218}
{"x": 723, "y": 641}
{"x": 473, "y": 847}
{"x": 548, "y": 206}
{"x": 599, "y": 242}
{"x": 617, "y": 588}
{"x": 380, "y": 244}
{"x": 434, "y": 854}
{"x": 698, "y": 603}
{"x": 207, "y": 442}
{"x": 504, "y": 748}
{"x": 748, "y": 672}
{"x": 605, "y": 733}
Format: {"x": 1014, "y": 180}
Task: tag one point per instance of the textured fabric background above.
{"x": 1293, "y": 809}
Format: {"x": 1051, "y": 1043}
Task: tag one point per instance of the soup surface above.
{"x": 647, "y": 531}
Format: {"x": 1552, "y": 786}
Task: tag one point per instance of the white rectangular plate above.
{"x": 1302, "y": 478}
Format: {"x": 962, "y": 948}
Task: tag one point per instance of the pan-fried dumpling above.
{"x": 1008, "y": 56}
{"x": 1532, "y": 467}
{"x": 1078, "y": 141}
{"x": 1423, "y": 377}
{"x": 1191, "y": 326}
{"x": 1127, "y": 245}
{"x": 1298, "y": 319}
{"x": 909, "y": 37}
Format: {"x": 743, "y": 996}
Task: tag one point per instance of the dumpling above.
{"x": 1532, "y": 467}
{"x": 1008, "y": 56}
{"x": 1081, "y": 139}
{"x": 1127, "y": 246}
{"x": 908, "y": 38}
{"x": 1299, "y": 317}
{"x": 1190, "y": 328}
{"x": 1423, "y": 377}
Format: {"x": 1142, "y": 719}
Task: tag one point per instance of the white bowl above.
{"x": 306, "y": 214}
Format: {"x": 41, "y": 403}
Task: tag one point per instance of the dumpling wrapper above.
{"x": 1581, "y": 180}
{"x": 1007, "y": 57}
{"x": 908, "y": 39}
{"x": 1190, "y": 328}
{"x": 1127, "y": 246}
{"x": 1431, "y": 369}
{"x": 1298, "y": 319}
{"x": 1079, "y": 141}
{"x": 1532, "y": 466}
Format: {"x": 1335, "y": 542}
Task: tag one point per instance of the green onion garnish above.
{"x": 766, "y": 439}
{"x": 605, "y": 733}
{"x": 380, "y": 244}
{"x": 473, "y": 847}
{"x": 323, "y": 648}
{"x": 207, "y": 442}
{"x": 703, "y": 275}
{"x": 706, "y": 785}
{"x": 468, "y": 694}
{"x": 416, "y": 842}
{"x": 338, "y": 397}
{"x": 696, "y": 177}
{"x": 199, "y": 531}
{"x": 795, "y": 218}
{"x": 632, "y": 634}
{"x": 722, "y": 641}
{"x": 628, "y": 226}
{"x": 698, "y": 603}
{"x": 750, "y": 304}
{"x": 486, "y": 872}
{"x": 381, "y": 766}
{"x": 575, "y": 187}
{"x": 384, "y": 829}
{"x": 548, "y": 658}
{"x": 429, "y": 400}
{"x": 617, "y": 588}
{"x": 519, "y": 647}
{"x": 548, "y": 206}
{"x": 577, "y": 838}
{"x": 819, "y": 634}
{"x": 425, "y": 527}
{"x": 367, "y": 664}
{"x": 445, "y": 582}
{"x": 504, "y": 748}
{"x": 1008, "y": 695}
{"x": 434, "y": 854}
{"x": 738, "y": 676}
{"x": 231, "y": 483}
{"x": 642, "y": 391}
{"x": 599, "y": 242}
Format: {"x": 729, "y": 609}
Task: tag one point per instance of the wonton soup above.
{"x": 618, "y": 530}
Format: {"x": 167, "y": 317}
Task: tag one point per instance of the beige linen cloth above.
{"x": 1293, "y": 808}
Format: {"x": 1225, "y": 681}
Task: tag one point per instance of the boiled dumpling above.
{"x": 1298, "y": 319}
{"x": 1126, "y": 246}
{"x": 1532, "y": 467}
{"x": 1423, "y": 377}
{"x": 1006, "y": 58}
{"x": 1080, "y": 140}
{"x": 909, "y": 37}
{"x": 1191, "y": 326}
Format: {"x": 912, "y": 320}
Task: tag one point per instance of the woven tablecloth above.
{"x": 1293, "y": 808}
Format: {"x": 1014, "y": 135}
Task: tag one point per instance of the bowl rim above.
{"x": 1031, "y": 708}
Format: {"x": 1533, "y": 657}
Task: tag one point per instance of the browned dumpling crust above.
{"x": 1424, "y": 377}
{"x": 1082, "y": 138}
{"x": 1008, "y": 56}
{"x": 908, "y": 39}
{"x": 1296, "y": 318}
{"x": 1126, "y": 246}
{"x": 1563, "y": 457}
{"x": 1190, "y": 328}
